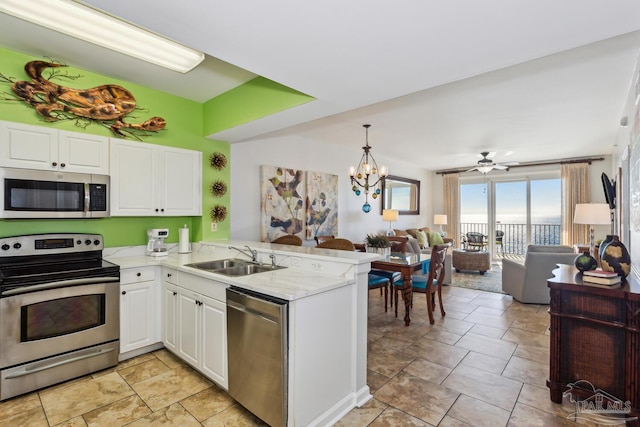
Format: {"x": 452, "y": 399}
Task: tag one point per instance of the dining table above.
{"x": 406, "y": 264}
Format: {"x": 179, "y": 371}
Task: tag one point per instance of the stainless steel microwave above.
{"x": 29, "y": 193}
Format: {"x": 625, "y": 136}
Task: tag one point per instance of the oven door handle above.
{"x": 60, "y": 284}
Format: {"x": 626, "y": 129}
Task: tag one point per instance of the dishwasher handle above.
{"x": 234, "y": 305}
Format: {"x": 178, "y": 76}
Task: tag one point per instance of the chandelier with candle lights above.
{"x": 367, "y": 176}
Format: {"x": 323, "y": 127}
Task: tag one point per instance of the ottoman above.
{"x": 471, "y": 260}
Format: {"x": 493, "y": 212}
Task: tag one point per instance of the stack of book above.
{"x": 607, "y": 279}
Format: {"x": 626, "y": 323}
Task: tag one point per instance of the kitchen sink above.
{"x": 218, "y": 264}
{"x": 245, "y": 270}
{"x": 233, "y": 267}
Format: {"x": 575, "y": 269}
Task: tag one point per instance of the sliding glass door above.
{"x": 513, "y": 213}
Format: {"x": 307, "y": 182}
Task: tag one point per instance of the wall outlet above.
{"x": 214, "y": 226}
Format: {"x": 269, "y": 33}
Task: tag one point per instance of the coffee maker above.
{"x": 155, "y": 243}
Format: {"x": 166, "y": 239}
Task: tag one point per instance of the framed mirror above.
{"x": 402, "y": 194}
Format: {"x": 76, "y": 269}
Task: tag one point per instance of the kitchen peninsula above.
{"x": 326, "y": 292}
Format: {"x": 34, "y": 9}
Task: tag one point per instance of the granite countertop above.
{"x": 289, "y": 283}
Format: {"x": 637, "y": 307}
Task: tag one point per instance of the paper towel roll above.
{"x": 184, "y": 247}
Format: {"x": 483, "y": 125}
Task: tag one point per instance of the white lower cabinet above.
{"x": 195, "y": 324}
{"x": 138, "y": 309}
{"x": 169, "y": 309}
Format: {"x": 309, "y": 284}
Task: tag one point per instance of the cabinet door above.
{"x": 181, "y": 172}
{"x": 189, "y": 326}
{"x": 134, "y": 179}
{"x": 28, "y": 147}
{"x": 214, "y": 340}
{"x": 169, "y": 315}
{"x": 137, "y": 316}
{"x": 81, "y": 152}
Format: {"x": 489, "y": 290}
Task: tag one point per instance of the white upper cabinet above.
{"x": 38, "y": 147}
{"x": 153, "y": 180}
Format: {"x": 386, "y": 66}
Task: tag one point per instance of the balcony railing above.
{"x": 514, "y": 241}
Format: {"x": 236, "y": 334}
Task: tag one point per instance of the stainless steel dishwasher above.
{"x": 257, "y": 345}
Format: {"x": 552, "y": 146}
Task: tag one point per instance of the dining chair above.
{"x": 340, "y": 244}
{"x": 398, "y": 243}
{"x": 320, "y": 239}
{"x": 288, "y": 239}
{"x": 430, "y": 283}
{"x": 379, "y": 282}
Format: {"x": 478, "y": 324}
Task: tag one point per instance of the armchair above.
{"x": 527, "y": 282}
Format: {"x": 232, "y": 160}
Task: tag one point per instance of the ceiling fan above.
{"x": 486, "y": 165}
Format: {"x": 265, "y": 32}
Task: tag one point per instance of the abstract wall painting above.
{"x": 296, "y": 202}
{"x": 322, "y": 205}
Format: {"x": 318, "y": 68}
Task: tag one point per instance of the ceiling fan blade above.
{"x": 472, "y": 169}
{"x": 510, "y": 163}
{"x": 501, "y": 167}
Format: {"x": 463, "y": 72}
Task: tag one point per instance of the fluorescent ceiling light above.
{"x": 85, "y": 23}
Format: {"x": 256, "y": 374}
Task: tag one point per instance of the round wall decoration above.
{"x": 218, "y": 160}
{"x": 218, "y": 188}
{"x": 218, "y": 213}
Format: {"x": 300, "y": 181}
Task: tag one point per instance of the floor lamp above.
{"x": 390, "y": 215}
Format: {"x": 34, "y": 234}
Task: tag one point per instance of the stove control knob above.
{"x": 87, "y": 242}
{"x": 5, "y": 247}
{"x": 96, "y": 242}
{"x": 78, "y": 242}
{"x": 17, "y": 245}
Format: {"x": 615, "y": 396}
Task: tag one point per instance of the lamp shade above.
{"x": 592, "y": 214}
{"x": 390, "y": 215}
{"x": 440, "y": 219}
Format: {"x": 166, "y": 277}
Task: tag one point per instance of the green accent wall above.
{"x": 184, "y": 129}
{"x": 253, "y": 100}
{"x": 187, "y": 122}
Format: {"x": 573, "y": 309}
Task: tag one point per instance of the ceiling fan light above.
{"x": 485, "y": 169}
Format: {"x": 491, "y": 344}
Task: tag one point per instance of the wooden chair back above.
{"x": 340, "y": 244}
{"x": 288, "y": 239}
{"x": 398, "y": 243}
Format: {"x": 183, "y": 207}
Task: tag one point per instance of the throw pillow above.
{"x": 413, "y": 245}
{"x": 435, "y": 239}
{"x": 422, "y": 238}
{"x": 400, "y": 233}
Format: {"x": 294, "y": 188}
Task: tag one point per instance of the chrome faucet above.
{"x": 253, "y": 254}
{"x": 273, "y": 261}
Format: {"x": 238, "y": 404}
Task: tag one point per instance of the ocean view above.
{"x": 545, "y": 230}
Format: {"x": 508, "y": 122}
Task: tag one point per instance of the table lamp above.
{"x": 440, "y": 220}
{"x": 592, "y": 214}
{"x": 390, "y": 215}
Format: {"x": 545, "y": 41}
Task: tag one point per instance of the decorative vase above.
{"x": 604, "y": 244}
{"x": 616, "y": 258}
{"x": 585, "y": 261}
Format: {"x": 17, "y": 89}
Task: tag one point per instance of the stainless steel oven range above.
{"x": 59, "y": 310}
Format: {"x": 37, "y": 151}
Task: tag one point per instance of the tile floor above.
{"x": 485, "y": 364}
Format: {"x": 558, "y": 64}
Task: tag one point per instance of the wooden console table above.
{"x": 595, "y": 336}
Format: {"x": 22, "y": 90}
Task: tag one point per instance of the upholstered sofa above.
{"x": 413, "y": 246}
{"x": 527, "y": 281}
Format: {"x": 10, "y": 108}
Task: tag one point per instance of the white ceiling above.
{"x": 439, "y": 81}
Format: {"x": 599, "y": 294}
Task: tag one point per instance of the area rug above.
{"x": 490, "y": 281}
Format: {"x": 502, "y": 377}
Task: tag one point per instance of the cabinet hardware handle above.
{"x": 168, "y": 274}
{"x": 139, "y": 274}
{"x": 124, "y": 292}
{"x": 175, "y": 293}
{"x": 62, "y": 165}
{"x": 162, "y": 210}
{"x": 156, "y": 209}
{"x": 54, "y": 164}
